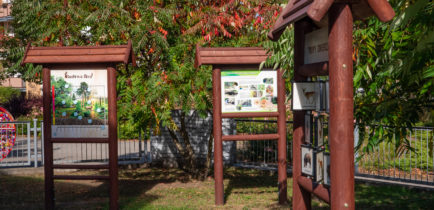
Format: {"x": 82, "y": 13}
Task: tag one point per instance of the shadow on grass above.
{"x": 247, "y": 182}
{"x": 135, "y": 183}
{"x": 27, "y": 192}
{"x": 378, "y": 196}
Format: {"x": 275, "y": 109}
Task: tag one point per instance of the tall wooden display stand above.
{"x": 242, "y": 59}
{"x": 307, "y": 16}
{"x": 80, "y": 58}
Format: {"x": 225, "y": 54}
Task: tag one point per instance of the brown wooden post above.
{"x": 48, "y": 145}
{"x": 301, "y": 199}
{"x": 281, "y": 142}
{"x": 217, "y": 132}
{"x": 113, "y": 135}
{"x": 341, "y": 139}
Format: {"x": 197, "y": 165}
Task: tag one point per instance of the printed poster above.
{"x": 307, "y": 160}
{"x": 249, "y": 91}
{"x": 79, "y": 104}
{"x": 304, "y": 96}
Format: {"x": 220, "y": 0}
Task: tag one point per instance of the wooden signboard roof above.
{"x": 317, "y": 9}
{"x": 230, "y": 56}
{"x": 80, "y": 54}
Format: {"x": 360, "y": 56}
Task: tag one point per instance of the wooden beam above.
{"x": 281, "y": 142}
{"x": 319, "y": 9}
{"x": 79, "y": 140}
{"x": 48, "y": 148}
{"x": 250, "y": 137}
{"x": 301, "y": 199}
{"x": 72, "y": 177}
{"x": 75, "y": 59}
{"x": 76, "y": 166}
{"x": 382, "y": 9}
{"x": 341, "y": 121}
{"x": 314, "y": 69}
{"x": 217, "y": 133}
{"x": 297, "y": 6}
{"x": 317, "y": 189}
{"x": 113, "y": 138}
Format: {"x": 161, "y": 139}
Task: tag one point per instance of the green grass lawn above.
{"x": 172, "y": 189}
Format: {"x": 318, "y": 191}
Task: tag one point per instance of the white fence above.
{"x": 28, "y": 149}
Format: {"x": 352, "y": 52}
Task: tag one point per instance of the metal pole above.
{"x": 48, "y": 146}
{"x": 217, "y": 132}
{"x": 140, "y": 143}
{"x": 113, "y": 137}
{"x": 281, "y": 143}
{"x": 356, "y": 155}
{"x": 35, "y": 139}
{"x": 341, "y": 106}
{"x": 42, "y": 142}
{"x": 301, "y": 199}
{"x": 29, "y": 151}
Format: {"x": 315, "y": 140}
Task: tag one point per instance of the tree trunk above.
{"x": 208, "y": 156}
{"x": 185, "y": 148}
{"x": 191, "y": 157}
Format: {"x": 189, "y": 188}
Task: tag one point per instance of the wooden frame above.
{"x": 308, "y": 160}
{"x": 308, "y": 15}
{"x": 247, "y": 59}
{"x": 80, "y": 58}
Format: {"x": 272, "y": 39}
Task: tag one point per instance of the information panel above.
{"x": 79, "y": 104}
{"x": 249, "y": 91}
{"x": 316, "y": 46}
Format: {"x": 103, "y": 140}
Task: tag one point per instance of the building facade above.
{"x": 7, "y": 31}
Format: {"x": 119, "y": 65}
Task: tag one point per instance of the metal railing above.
{"x": 29, "y": 150}
{"x": 414, "y": 165}
{"x": 259, "y": 154}
{"x": 21, "y": 152}
{"x": 131, "y": 150}
{"x": 385, "y": 162}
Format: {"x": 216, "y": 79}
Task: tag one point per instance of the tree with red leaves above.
{"x": 164, "y": 34}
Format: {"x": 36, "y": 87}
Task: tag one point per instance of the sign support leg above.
{"x": 281, "y": 143}
{"x": 113, "y": 141}
{"x": 217, "y": 132}
{"x": 301, "y": 199}
{"x": 48, "y": 145}
{"x": 341, "y": 135}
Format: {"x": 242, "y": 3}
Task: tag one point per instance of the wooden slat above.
{"x": 229, "y": 48}
{"x": 76, "y": 166}
{"x": 79, "y": 47}
{"x": 318, "y": 9}
{"x": 251, "y": 137}
{"x": 297, "y": 6}
{"x": 79, "y": 140}
{"x": 233, "y": 60}
{"x": 249, "y": 115}
{"x": 75, "y": 59}
{"x": 314, "y": 69}
{"x": 72, "y": 177}
{"x": 229, "y": 55}
{"x": 79, "y": 54}
{"x": 281, "y": 24}
{"x": 127, "y": 52}
{"x": 77, "y": 51}
{"x": 233, "y": 53}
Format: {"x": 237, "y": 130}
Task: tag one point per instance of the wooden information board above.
{"x": 323, "y": 46}
{"x": 240, "y": 90}
{"x": 79, "y": 99}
